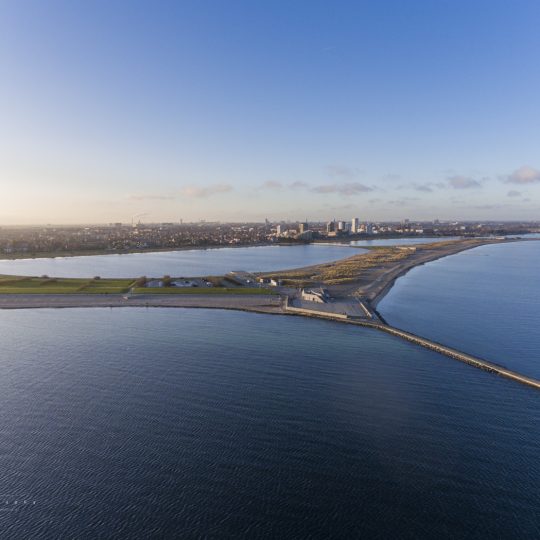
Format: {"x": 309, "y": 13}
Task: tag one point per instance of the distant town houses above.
{"x": 124, "y": 238}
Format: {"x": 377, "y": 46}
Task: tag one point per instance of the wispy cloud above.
{"x": 348, "y": 188}
{"x": 342, "y": 171}
{"x": 391, "y": 177}
{"x": 463, "y": 182}
{"x": 152, "y": 197}
{"x": 403, "y": 201}
{"x": 341, "y": 188}
{"x": 513, "y": 193}
{"x": 188, "y": 191}
{"x": 340, "y": 208}
{"x": 523, "y": 175}
{"x": 426, "y": 187}
{"x": 203, "y": 192}
{"x": 490, "y": 206}
{"x": 272, "y": 184}
{"x": 423, "y": 187}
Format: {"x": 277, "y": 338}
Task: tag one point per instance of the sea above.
{"x": 178, "y": 423}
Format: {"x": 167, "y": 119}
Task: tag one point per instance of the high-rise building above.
{"x": 355, "y": 225}
{"x": 341, "y": 225}
{"x": 278, "y": 230}
{"x": 331, "y": 226}
{"x": 303, "y": 227}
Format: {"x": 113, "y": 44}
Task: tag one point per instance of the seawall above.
{"x": 461, "y": 356}
{"x": 427, "y": 344}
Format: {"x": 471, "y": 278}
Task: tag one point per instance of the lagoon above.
{"x": 194, "y": 262}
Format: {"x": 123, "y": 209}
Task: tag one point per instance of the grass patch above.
{"x": 202, "y": 290}
{"x": 46, "y": 285}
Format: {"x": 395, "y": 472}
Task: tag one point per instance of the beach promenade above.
{"x": 257, "y": 303}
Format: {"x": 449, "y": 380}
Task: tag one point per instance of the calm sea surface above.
{"x": 195, "y": 262}
{"x": 134, "y": 423}
{"x": 484, "y": 301}
{"x": 154, "y": 423}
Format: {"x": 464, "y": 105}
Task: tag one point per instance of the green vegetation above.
{"x": 46, "y": 285}
{"x": 203, "y": 290}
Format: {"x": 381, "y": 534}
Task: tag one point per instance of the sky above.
{"x": 241, "y": 110}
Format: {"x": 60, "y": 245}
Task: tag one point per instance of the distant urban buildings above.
{"x": 122, "y": 238}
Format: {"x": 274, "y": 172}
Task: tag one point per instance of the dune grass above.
{"x": 353, "y": 268}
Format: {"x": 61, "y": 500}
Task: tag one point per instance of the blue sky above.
{"x": 245, "y": 110}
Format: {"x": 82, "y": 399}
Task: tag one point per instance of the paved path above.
{"x": 245, "y": 302}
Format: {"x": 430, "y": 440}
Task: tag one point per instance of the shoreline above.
{"x": 98, "y": 253}
{"x": 272, "y": 304}
{"x": 375, "y": 296}
{"x": 380, "y": 280}
{"x": 327, "y": 242}
{"x": 379, "y": 296}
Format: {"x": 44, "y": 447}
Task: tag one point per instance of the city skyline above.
{"x": 245, "y": 112}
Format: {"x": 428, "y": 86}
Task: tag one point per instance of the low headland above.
{"x": 346, "y": 290}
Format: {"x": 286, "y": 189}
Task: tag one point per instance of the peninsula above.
{"x": 367, "y": 276}
{"x": 346, "y": 290}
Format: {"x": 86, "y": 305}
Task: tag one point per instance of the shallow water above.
{"x": 195, "y": 262}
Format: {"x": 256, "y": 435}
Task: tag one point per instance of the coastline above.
{"x": 380, "y": 281}
{"x": 375, "y": 296}
{"x": 100, "y": 253}
{"x": 389, "y": 284}
{"x": 257, "y": 303}
{"x": 273, "y": 304}
{"x": 94, "y": 253}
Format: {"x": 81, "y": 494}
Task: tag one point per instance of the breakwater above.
{"x": 461, "y": 356}
{"x": 450, "y": 352}
{"x": 255, "y": 303}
